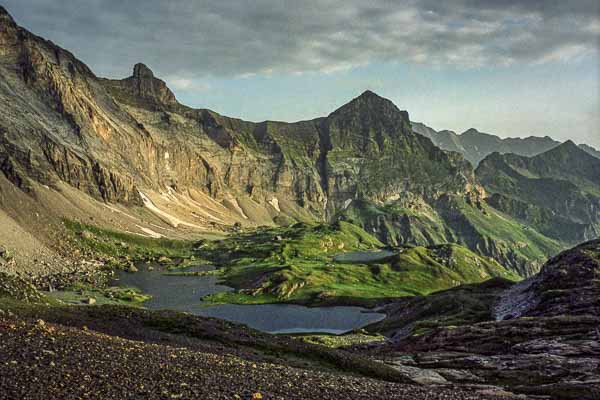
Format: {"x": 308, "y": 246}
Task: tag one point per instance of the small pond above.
{"x": 363, "y": 257}
{"x": 183, "y": 293}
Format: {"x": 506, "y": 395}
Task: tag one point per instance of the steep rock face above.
{"x": 567, "y": 284}
{"x": 365, "y": 149}
{"x": 143, "y": 88}
{"x": 373, "y": 154}
{"x": 113, "y": 138}
{"x": 562, "y": 187}
{"x": 56, "y": 119}
{"x": 545, "y": 220}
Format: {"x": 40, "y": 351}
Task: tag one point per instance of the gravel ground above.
{"x": 39, "y": 360}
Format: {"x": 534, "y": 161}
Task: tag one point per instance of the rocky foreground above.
{"x": 41, "y": 360}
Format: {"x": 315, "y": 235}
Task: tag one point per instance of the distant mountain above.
{"x": 557, "y": 192}
{"x": 590, "y": 150}
{"x": 475, "y": 145}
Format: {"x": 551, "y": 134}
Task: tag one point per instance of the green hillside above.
{"x": 337, "y": 264}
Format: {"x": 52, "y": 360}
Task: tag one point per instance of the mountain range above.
{"x": 128, "y": 146}
{"x": 457, "y": 243}
{"x": 475, "y": 145}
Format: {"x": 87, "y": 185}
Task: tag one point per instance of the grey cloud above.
{"x": 190, "y": 39}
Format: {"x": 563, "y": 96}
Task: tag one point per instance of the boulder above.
{"x": 90, "y": 301}
{"x": 132, "y": 268}
{"x": 87, "y": 235}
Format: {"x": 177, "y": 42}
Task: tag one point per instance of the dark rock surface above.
{"x": 546, "y": 340}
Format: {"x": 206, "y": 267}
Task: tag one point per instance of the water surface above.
{"x": 183, "y": 293}
{"x": 363, "y": 257}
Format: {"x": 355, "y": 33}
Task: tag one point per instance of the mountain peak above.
{"x": 568, "y": 147}
{"x": 145, "y": 85}
{"x": 369, "y": 94}
{"x": 567, "y": 151}
{"x": 141, "y": 71}
{"x": 370, "y": 102}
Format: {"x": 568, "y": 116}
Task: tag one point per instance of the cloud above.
{"x": 194, "y": 38}
{"x": 186, "y": 84}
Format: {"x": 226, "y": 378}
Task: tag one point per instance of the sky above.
{"x": 507, "y": 67}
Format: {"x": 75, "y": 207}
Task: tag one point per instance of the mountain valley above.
{"x": 474, "y": 260}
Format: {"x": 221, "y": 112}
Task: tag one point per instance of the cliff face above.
{"x": 113, "y": 138}
{"x": 56, "y": 119}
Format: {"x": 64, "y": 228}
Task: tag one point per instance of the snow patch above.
{"x": 275, "y": 203}
{"x": 171, "y": 219}
{"x": 150, "y": 232}
{"x": 200, "y": 208}
{"x": 113, "y": 209}
{"x": 237, "y": 207}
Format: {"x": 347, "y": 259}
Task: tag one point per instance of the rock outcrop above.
{"x": 544, "y": 342}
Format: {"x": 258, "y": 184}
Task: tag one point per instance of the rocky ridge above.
{"x": 556, "y": 192}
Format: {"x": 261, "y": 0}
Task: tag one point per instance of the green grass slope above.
{"x": 298, "y": 264}
{"x": 477, "y": 226}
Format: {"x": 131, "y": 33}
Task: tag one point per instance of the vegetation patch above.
{"x": 297, "y": 264}
{"x": 346, "y": 340}
{"x": 125, "y": 245}
{"x": 87, "y": 294}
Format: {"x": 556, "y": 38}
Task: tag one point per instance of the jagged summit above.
{"x": 141, "y": 71}
{"x": 143, "y": 86}
{"x": 147, "y": 86}
{"x": 371, "y": 104}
